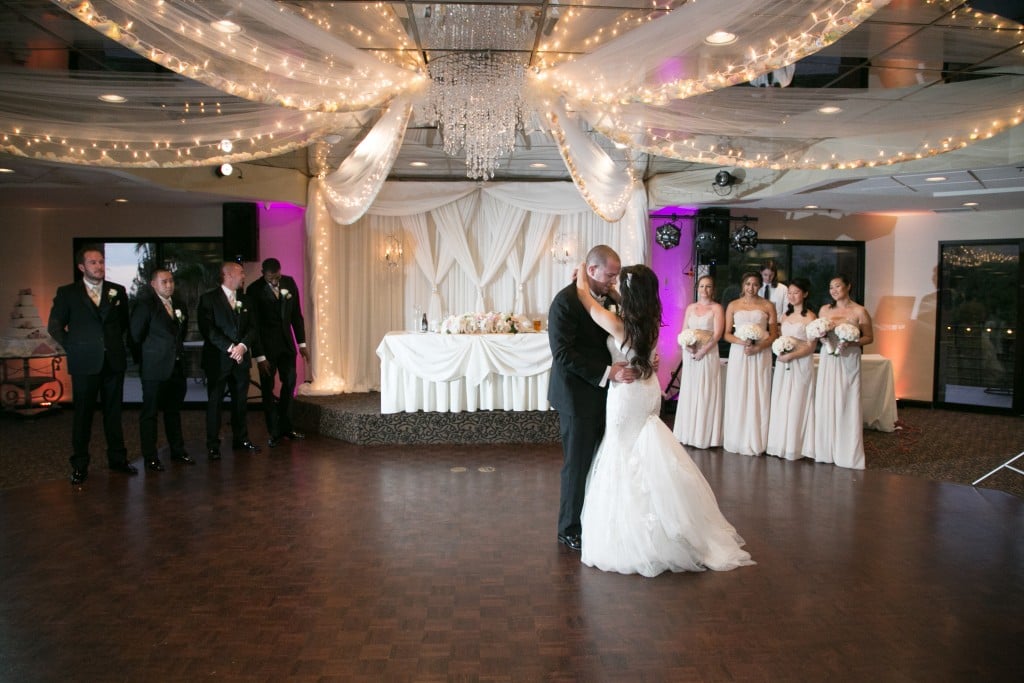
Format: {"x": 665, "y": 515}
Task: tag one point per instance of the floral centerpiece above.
{"x": 783, "y": 345}
{"x": 750, "y": 333}
{"x": 486, "y": 323}
{"x": 692, "y": 338}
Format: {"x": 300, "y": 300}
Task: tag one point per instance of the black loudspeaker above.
{"x": 241, "y": 236}
{"x": 712, "y": 235}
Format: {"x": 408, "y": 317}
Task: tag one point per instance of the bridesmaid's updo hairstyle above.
{"x": 842, "y": 278}
{"x": 641, "y": 314}
{"x": 804, "y": 285}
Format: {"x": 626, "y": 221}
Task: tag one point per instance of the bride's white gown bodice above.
{"x": 647, "y": 507}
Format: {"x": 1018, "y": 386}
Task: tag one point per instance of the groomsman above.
{"x": 281, "y": 330}
{"x": 89, "y": 319}
{"x": 158, "y": 326}
{"x": 227, "y": 324}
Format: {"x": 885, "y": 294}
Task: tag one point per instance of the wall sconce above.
{"x": 224, "y": 170}
{"x": 393, "y": 253}
{"x": 562, "y": 248}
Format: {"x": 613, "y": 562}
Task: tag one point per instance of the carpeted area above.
{"x": 940, "y": 445}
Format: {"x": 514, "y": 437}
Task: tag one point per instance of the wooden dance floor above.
{"x": 327, "y": 561}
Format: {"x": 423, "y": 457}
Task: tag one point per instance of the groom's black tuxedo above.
{"x": 94, "y": 338}
{"x": 579, "y": 361}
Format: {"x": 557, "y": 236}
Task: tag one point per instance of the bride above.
{"x": 647, "y": 507}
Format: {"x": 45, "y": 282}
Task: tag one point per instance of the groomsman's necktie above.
{"x": 276, "y": 290}
{"x": 94, "y": 294}
{"x": 767, "y": 291}
{"x": 167, "y": 306}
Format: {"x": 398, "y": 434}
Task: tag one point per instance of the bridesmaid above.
{"x": 749, "y": 373}
{"x": 838, "y": 421}
{"x": 699, "y": 412}
{"x": 791, "y": 425}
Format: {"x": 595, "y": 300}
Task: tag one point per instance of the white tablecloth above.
{"x": 463, "y": 372}
{"x": 877, "y": 391}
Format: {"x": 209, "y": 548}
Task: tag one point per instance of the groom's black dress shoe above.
{"x": 246, "y": 446}
{"x": 155, "y": 465}
{"x": 213, "y": 454}
{"x": 78, "y": 477}
{"x": 571, "y": 540}
{"x": 294, "y": 435}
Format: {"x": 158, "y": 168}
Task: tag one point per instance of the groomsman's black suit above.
{"x": 579, "y": 361}
{"x": 94, "y": 338}
{"x": 281, "y": 328}
{"x": 221, "y": 327}
{"x": 160, "y": 337}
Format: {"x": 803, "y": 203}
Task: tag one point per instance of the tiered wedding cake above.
{"x": 26, "y": 334}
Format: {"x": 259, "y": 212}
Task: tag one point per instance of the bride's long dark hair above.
{"x": 641, "y": 314}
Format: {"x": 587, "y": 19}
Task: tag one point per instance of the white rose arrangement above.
{"x": 818, "y": 328}
{"x": 486, "y": 323}
{"x": 285, "y": 294}
{"x": 750, "y": 333}
{"x": 691, "y": 338}
{"x": 783, "y": 345}
{"x": 846, "y": 332}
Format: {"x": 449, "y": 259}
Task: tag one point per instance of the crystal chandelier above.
{"x": 476, "y": 91}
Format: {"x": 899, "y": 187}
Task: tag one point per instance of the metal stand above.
{"x": 1006, "y": 464}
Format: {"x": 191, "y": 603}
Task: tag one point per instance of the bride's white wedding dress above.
{"x": 647, "y": 507}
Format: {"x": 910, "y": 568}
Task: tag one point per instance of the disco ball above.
{"x": 744, "y": 239}
{"x": 706, "y": 243}
{"x": 667, "y": 236}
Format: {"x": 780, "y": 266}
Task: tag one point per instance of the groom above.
{"x": 580, "y": 370}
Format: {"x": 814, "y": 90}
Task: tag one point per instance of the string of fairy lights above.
{"x": 315, "y": 81}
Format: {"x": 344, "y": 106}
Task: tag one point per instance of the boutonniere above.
{"x": 179, "y": 315}
{"x": 111, "y": 294}
{"x": 238, "y": 306}
{"x": 613, "y": 309}
{"x": 285, "y": 294}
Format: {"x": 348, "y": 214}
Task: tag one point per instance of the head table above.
{"x": 438, "y": 372}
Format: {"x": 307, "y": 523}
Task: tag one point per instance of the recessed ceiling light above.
{"x": 6, "y": 170}
{"x": 829, "y": 109}
{"x": 113, "y": 98}
{"x": 538, "y": 164}
{"x": 811, "y": 206}
{"x": 970, "y": 203}
{"x": 721, "y": 38}
{"x": 418, "y": 164}
{"x": 120, "y": 200}
{"x": 224, "y": 170}
{"x": 225, "y": 26}
{"x": 226, "y": 146}
{"x": 332, "y": 139}
{"x": 935, "y": 179}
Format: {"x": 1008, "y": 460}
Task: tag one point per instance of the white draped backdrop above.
{"x": 466, "y": 247}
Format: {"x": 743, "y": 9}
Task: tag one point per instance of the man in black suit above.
{"x": 89, "y": 319}
{"x": 580, "y": 370}
{"x": 158, "y": 326}
{"x": 281, "y": 327}
{"x": 226, "y": 321}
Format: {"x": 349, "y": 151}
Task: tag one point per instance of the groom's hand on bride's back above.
{"x": 622, "y": 372}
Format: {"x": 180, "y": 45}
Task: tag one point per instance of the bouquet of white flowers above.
{"x": 847, "y": 332}
{"x": 691, "y": 337}
{"x": 818, "y": 328}
{"x": 783, "y": 345}
{"x": 750, "y": 333}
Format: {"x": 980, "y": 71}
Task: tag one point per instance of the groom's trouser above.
{"x": 581, "y": 436}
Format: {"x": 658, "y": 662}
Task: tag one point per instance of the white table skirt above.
{"x": 877, "y": 391}
{"x": 463, "y": 372}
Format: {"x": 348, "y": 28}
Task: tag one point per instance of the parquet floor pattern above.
{"x": 325, "y": 561}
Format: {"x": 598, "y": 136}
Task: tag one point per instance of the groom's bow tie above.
{"x": 600, "y": 298}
